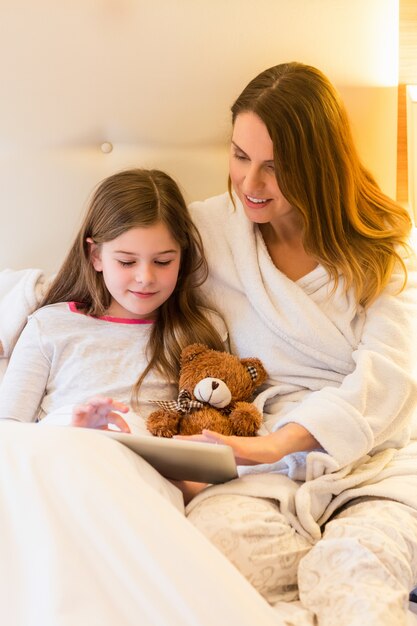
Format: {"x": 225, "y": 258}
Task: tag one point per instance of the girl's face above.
{"x": 140, "y": 269}
{"x": 252, "y": 171}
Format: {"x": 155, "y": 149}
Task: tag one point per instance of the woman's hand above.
{"x": 264, "y": 449}
{"x": 247, "y": 450}
{"x": 99, "y": 412}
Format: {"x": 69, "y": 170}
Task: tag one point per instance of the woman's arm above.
{"x": 266, "y": 449}
{"x": 25, "y": 380}
{"x": 375, "y": 404}
{"x": 251, "y": 450}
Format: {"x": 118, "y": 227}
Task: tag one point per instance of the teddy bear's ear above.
{"x": 192, "y": 351}
{"x": 256, "y": 370}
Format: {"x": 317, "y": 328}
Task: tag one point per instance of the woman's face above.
{"x": 252, "y": 171}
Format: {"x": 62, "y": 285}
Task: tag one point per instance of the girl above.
{"x": 318, "y": 279}
{"x": 117, "y": 314}
{"x": 106, "y": 540}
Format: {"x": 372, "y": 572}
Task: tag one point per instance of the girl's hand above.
{"x": 99, "y": 413}
{"x": 189, "y": 488}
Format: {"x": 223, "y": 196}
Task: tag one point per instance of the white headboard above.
{"x": 89, "y": 87}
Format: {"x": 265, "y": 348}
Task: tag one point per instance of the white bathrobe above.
{"x": 346, "y": 374}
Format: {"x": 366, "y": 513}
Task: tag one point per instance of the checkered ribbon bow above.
{"x": 183, "y": 404}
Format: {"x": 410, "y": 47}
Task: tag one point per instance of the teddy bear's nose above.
{"x": 214, "y": 384}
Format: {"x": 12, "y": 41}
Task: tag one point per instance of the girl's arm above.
{"x": 25, "y": 380}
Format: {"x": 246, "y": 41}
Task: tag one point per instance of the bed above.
{"x": 92, "y": 87}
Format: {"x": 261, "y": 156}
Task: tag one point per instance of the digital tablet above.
{"x": 182, "y": 460}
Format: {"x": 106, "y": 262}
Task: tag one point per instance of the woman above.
{"x": 316, "y": 279}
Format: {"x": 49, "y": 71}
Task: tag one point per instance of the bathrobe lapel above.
{"x": 283, "y": 304}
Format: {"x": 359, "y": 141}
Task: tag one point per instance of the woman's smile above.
{"x": 255, "y": 203}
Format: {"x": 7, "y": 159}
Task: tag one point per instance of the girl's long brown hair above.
{"x": 130, "y": 199}
{"x": 349, "y": 224}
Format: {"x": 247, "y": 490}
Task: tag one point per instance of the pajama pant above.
{"x": 360, "y": 571}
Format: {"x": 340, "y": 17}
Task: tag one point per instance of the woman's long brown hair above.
{"x": 130, "y": 199}
{"x": 349, "y": 225}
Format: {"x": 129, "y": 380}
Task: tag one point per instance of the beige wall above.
{"x": 156, "y": 79}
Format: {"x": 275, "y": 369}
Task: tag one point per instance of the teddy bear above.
{"x": 215, "y": 392}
